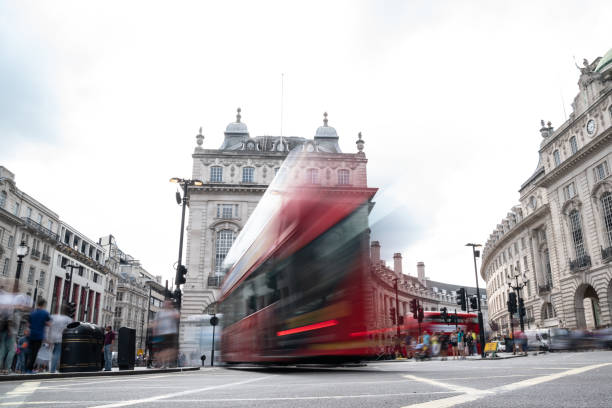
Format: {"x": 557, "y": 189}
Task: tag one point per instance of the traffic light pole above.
{"x": 180, "y": 254}
{"x": 480, "y": 320}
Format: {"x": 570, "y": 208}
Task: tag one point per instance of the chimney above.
{"x": 397, "y": 263}
{"x": 375, "y": 252}
{"x": 421, "y": 272}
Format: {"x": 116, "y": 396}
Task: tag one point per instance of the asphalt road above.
{"x": 549, "y": 380}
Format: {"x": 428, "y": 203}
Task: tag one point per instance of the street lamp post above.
{"x": 86, "y": 317}
{"x": 517, "y": 289}
{"x": 22, "y": 250}
{"x": 180, "y": 269}
{"x": 476, "y": 254}
{"x": 397, "y": 322}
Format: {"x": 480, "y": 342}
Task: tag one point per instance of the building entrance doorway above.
{"x": 588, "y": 313}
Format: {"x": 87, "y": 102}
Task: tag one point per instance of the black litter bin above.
{"x": 81, "y": 348}
{"x": 126, "y": 352}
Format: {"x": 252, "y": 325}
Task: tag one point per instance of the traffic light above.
{"x": 180, "y": 279}
{"x": 177, "y": 296}
{"x": 521, "y": 307}
{"x": 414, "y": 308}
{"x": 461, "y": 298}
{"x": 512, "y": 303}
{"x": 392, "y": 315}
{"x": 444, "y": 314}
{"x": 71, "y": 309}
{"x": 474, "y": 302}
{"x": 421, "y": 314}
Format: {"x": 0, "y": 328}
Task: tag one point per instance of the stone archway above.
{"x": 586, "y": 304}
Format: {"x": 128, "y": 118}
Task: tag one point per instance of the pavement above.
{"x": 114, "y": 372}
{"x": 572, "y": 379}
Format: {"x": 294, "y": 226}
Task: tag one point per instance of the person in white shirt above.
{"x": 56, "y": 329}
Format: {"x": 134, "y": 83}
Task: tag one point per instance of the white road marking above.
{"x": 177, "y": 394}
{"x": 20, "y": 393}
{"x": 102, "y": 381}
{"x": 472, "y": 394}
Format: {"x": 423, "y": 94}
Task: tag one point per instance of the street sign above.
{"x": 491, "y": 347}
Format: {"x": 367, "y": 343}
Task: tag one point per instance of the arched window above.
{"x": 312, "y": 176}
{"x": 216, "y": 174}
{"x": 606, "y": 205}
{"x": 248, "y": 174}
{"x": 343, "y": 177}
{"x": 557, "y": 158}
{"x": 576, "y": 231}
{"x": 224, "y": 241}
{"x": 573, "y": 144}
{"x": 2, "y": 199}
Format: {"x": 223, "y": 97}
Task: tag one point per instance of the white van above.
{"x": 537, "y": 339}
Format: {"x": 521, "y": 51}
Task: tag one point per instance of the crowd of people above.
{"x": 456, "y": 345}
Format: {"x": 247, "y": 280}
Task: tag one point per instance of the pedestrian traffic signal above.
{"x": 392, "y": 315}
{"x": 414, "y": 308}
{"x": 521, "y": 307}
{"x": 512, "y": 303}
{"x": 461, "y": 298}
{"x": 474, "y": 302}
{"x": 71, "y": 309}
{"x": 180, "y": 278}
{"x": 444, "y": 314}
{"x": 421, "y": 315}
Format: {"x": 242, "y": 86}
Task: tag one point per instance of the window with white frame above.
{"x": 41, "y": 278}
{"x": 548, "y": 311}
{"x": 343, "y": 177}
{"x": 601, "y": 171}
{"x": 31, "y": 272}
{"x": 5, "y": 267}
{"x": 569, "y": 191}
{"x": 573, "y": 144}
{"x": 227, "y": 211}
{"x": 39, "y": 219}
{"x": 29, "y": 212}
{"x": 3, "y": 196}
{"x": 16, "y": 209}
{"x": 224, "y": 241}
{"x": 576, "y": 231}
{"x": 547, "y": 268}
{"x": 216, "y": 174}
{"x": 312, "y": 176}
{"x": 50, "y": 225}
{"x": 248, "y": 174}
{"x": 557, "y": 157}
{"x": 606, "y": 205}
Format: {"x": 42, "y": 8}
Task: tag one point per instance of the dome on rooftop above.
{"x": 326, "y": 131}
{"x": 605, "y": 64}
{"x": 237, "y": 127}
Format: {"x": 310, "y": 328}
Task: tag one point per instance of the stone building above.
{"x": 235, "y": 177}
{"x": 559, "y": 236}
{"x": 83, "y": 259}
{"x": 25, "y": 220}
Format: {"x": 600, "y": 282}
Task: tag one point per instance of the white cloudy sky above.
{"x": 100, "y": 103}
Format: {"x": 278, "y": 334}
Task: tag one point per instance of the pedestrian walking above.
{"x": 22, "y": 352}
{"x": 469, "y": 342}
{"x": 109, "y": 337}
{"x": 453, "y": 343}
{"x": 56, "y": 330}
{"x": 165, "y": 331}
{"x": 11, "y": 307}
{"x": 460, "y": 345}
{"x": 39, "y": 319}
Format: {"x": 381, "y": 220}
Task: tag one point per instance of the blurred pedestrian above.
{"x": 22, "y": 352}
{"x": 109, "y": 337}
{"x": 56, "y": 330}
{"x": 469, "y": 342}
{"x": 453, "y": 343}
{"x": 165, "y": 331}
{"x": 12, "y": 304}
{"x": 39, "y": 319}
{"x": 460, "y": 345}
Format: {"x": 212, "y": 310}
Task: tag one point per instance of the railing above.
{"x": 544, "y": 288}
{"x": 214, "y": 281}
{"x": 46, "y": 258}
{"x": 580, "y": 263}
{"x": 39, "y": 228}
{"x": 35, "y": 253}
{"x": 606, "y": 254}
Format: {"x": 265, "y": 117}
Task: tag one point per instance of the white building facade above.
{"x": 560, "y": 235}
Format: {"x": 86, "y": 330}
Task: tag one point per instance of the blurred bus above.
{"x": 296, "y": 286}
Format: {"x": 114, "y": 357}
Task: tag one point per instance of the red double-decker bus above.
{"x": 296, "y": 278}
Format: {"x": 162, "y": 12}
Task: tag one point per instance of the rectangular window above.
{"x": 569, "y": 191}
{"x": 573, "y": 145}
{"x": 601, "y": 171}
{"x": 522, "y": 242}
{"x": 50, "y": 225}
{"x": 216, "y": 174}
{"x": 95, "y": 277}
{"x": 120, "y": 296}
{"x": 343, "y": 177}
{"x": 31, "y": 272}
{"x": 557, "y": 158}
{"x": 29, "y": 212}
{"x": 11, "y": 241}
{"x": 248, "y": 174}
{"x": 41, "y": 278}
{"x": 39, "y": 219}
{"x": 16, "y": 209}
{"x": 312, "y": 176}
{"x": 576, "y": 231}
{"x": 5, "y": 267}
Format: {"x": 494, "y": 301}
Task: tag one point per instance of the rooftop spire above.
{"x": 238, "y": 116}
{"x": 324, "y": 118}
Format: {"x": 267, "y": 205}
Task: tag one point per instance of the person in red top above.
{"x": 109, "y": 337}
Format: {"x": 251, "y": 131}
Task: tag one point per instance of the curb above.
{"x": 47, "y": 376}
